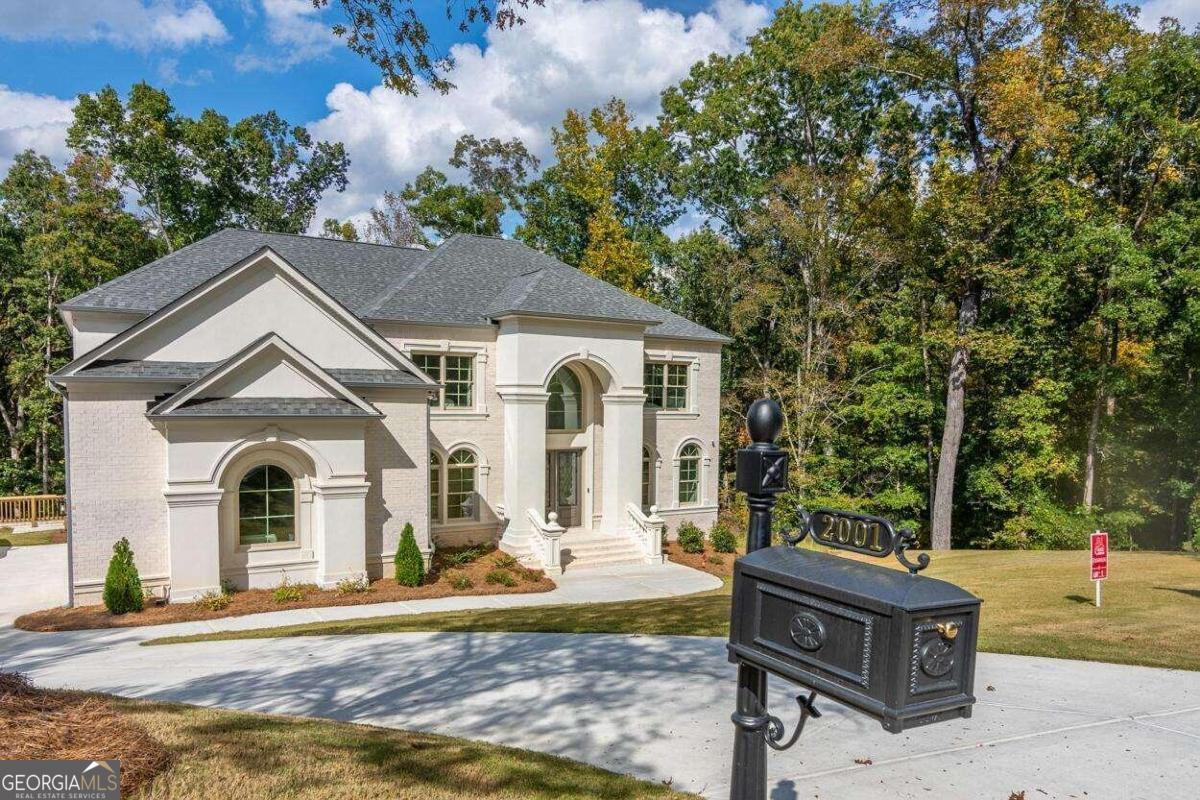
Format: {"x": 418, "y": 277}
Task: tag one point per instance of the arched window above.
{"x": 266, "y": 506}
{"x": 460, "y": 485}
{"x": 435, "y": 488}
{"x": 647, "y": 466}
{"x": 563, "y": 407}
{"x": 689, "y": 475}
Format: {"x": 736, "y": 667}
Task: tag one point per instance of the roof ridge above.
{"x": 403, "y": 281}
{"x": 321, "y": 239}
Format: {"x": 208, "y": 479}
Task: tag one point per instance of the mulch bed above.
{"x": 41, "y": 724}
{"x": 710, "y": 561}
{"x": 438, "y": 583}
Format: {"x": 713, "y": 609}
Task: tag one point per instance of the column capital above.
{"x": 516, "y": 393}
{"x": 623, "y": 398}
{"x": 185, "y": 498}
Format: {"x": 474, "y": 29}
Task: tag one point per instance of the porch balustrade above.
{"x": 32, "y": 509}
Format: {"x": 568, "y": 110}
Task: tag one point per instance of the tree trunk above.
{"x": 930, "y": 471}
{"x": 956, "y": 391}
{"x": 1089, "y": 461}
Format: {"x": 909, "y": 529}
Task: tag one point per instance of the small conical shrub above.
{"x": 410, "y": 566}
{"x": 122, "y": 585}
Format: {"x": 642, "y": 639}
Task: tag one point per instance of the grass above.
{"x": 1035, "y": 603}
{"x": 220, "y": 754}
{"x": 34, "y": 538}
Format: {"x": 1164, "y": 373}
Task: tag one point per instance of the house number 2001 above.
{"x": 852, "y": 531}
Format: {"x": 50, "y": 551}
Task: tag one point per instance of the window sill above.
{"x": 665, "y": 414}
{"x": 261, "y": 546}
{"x": 458, "y": 523}
{"x": 442, "y": 413}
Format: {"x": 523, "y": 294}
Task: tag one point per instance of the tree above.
{"x": 392, "y": 35}
{"x": 450, "y": 208}
{"x": 604, "y": 205}
{"x": 336, "y": 229}
{"x": 63, "y": 233}
{"x": 990, "y": 73}
{"x": 393, "y": 224}
{"x": 192, "y": 177}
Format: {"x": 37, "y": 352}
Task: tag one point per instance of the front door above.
{"x": 562, "y": 486}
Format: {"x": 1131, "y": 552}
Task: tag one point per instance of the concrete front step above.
{"x": 580, "y": 550}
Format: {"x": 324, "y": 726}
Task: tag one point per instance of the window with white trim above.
{"x": 456, "y": 373}
{"x": 689, "y": 475}
{"x": 435, "y": 488}
{"x": 647, "y": 467}
{"x": 266, "y": 506}
{"x": 461, "y": 502}
{"x": 564, "y": 408}
{"x": 666, "y": 385}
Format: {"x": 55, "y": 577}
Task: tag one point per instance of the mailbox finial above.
{"x": 764, "y": 420}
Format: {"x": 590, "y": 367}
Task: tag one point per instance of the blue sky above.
{"x": 247, "y": 56}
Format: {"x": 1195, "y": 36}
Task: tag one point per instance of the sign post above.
{"x": 1099, "y": 560}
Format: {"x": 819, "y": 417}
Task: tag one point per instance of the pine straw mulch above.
{"x": 40, "y": 723}
{"x": 438, "y": 583}
{"x": 710, "y": 561}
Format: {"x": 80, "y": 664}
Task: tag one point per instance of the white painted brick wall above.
{"x": 397, "y": 456}
{"x": 118, "y": 473}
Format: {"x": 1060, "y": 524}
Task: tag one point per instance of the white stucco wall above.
{"x": 250, "y": 305}
{"x": 90, "y": 329}
{"x": 118, "y": 467}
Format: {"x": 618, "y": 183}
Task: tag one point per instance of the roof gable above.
{"x": 259, "y": 295}
{"x": 268, "y": 369}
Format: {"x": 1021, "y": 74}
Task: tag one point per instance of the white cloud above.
{"x": 570, "y": 54}
{"x": 35, "y": 121}
{"x": 298, "y": 34}
{"x": 127, "y": 23}
{"x": 168, "y": 74}
{"x": 1186, "y": 11}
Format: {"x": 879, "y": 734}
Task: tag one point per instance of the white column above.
{"x": 524, "y": 464}
{"x": 622, "y": 467}
{"x": 194, "y": 541}
{"x": 340, "y": 538}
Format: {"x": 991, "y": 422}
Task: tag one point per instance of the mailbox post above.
{"x": 761, "y": 474}
{"x": 897, "y": 647}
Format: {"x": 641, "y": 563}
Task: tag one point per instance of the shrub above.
{"x": 356, "y": 584}
{"x": 531, "y": 575}
{"x": 691, "y": 538}
{"x": 122, "y": 585}
{"x": 502, "y": 577}
{"x": 716, "y": 560}
{"x": 214, "y": 600}
{"x": 505, "y": 561}
{"x": 1047, "y": 526}
{"x": 461, "y": 582}
{"x": 288, "y": 592}
{"x": 722, "y": 539}
{"x": 5, "y": 543}
{"x": 227, "y": 586}
{"x": 460, "y": 558}
{"x": 410, "y": 566}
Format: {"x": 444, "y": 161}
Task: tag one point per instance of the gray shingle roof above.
{"x": 467, "y": 280}
{"x": 268, "y": 407}
{"x": 192, "y": 370}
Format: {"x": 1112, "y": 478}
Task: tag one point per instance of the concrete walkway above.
{"x": 32, "y": 578}
{"x": 658, "y": 708}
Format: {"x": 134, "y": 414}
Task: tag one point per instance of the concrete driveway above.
{"x": 658, "y": 708}
{"x": 32, "y": 578}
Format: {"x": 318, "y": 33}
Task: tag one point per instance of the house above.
{"x": 255, "y": 406}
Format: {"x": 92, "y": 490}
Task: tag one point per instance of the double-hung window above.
{"x": 666, "y": 385}
{"x": 455, "y": 373}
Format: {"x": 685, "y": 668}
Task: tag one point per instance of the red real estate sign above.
{"x": 1099, "y": 556}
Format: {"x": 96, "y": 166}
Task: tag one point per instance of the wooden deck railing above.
{"x": 32, "y": 509}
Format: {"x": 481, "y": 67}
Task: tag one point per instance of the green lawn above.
{"x": 33, "y": 538}
{"x": 1035, "y": 603}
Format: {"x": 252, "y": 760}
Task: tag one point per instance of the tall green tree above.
{"x": 63, "y": 233}
{"x": 192, "y": 176}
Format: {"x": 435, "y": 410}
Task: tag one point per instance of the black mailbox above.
{"x": 898, "y": 647}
